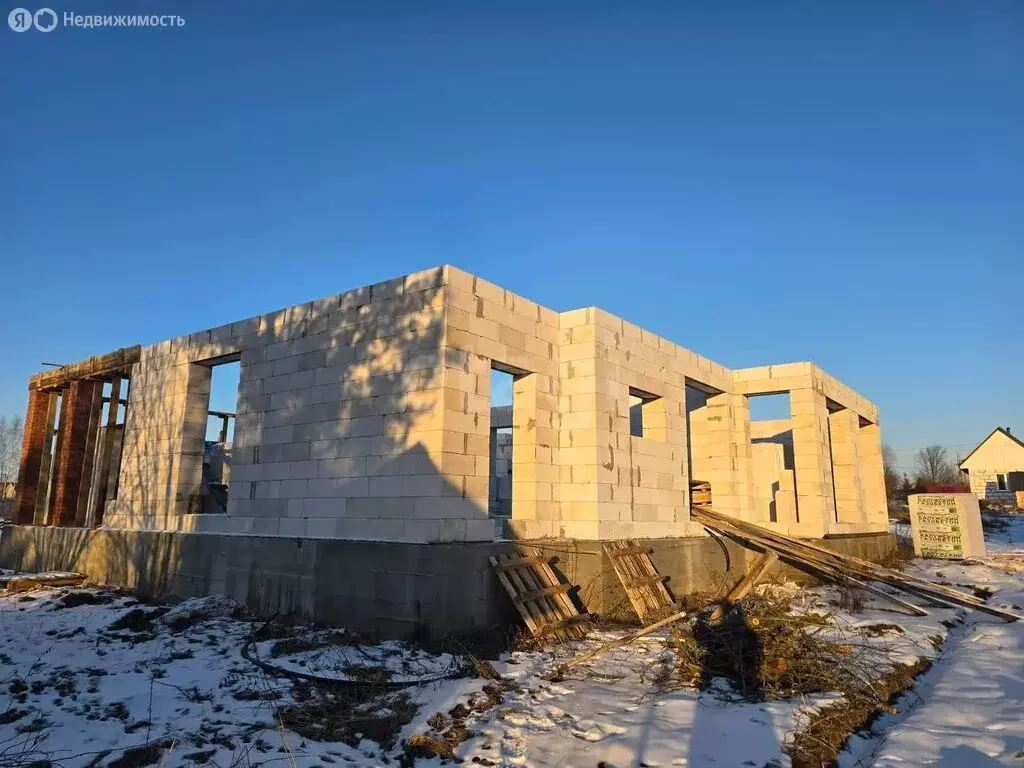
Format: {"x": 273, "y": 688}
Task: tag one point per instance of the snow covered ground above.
{"x": 93, "y": 678}
{"x": 970, "y": 705}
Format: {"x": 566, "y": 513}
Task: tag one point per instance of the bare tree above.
{"x": 892, "y": 475}
{"x": 933, "y": 467}
{"x": 11, "y": 429}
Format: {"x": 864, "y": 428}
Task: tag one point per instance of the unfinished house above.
{"x": 370, "y": 477}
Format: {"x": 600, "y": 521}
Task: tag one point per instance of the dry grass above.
{"x": 900, "y": 557}
{"x": 768, "y": 653}
{"x": 338, "y": 714}
{"x": 765, "y": 651}
{"x": 819, "y": 744}
{"x": 448, "y": 730}
{"x": 309, "y": 642}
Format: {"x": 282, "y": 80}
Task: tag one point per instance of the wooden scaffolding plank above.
{"x": 546, "y": 592}
{"x": 737, "y": 593}
{"x": 517, "y": 562}
{"x": 560, "y": 670}
{"x": 647, "y": 566}
{"x": 27, "y": 581}
{"x": 118, "y": 362}
{"x": 532, "y": 623}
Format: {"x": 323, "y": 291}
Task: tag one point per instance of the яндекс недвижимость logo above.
{"x": 46, "y": 20}
{"x": 22, "y": 19}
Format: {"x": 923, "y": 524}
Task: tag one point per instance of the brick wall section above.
{"x": 32, "y": 447}
{"x": 985, "y": 485}
{"x": 67, "y": 481}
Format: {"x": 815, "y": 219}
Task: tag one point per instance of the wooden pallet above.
{"x": 700, "y": 492}
{"x": 644, "y": 586}
{"x": 541, "y": 600}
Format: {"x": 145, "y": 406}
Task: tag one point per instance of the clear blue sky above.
{"x": 761, "y": 182}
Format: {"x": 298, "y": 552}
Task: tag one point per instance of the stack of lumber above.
{"x": 843, "y": 569}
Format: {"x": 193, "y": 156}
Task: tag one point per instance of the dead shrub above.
{"x": 79, "y": 597}
{"x": 137, "y": 620}
{"x": 339, "y": 714}
{"x": 820, "y": 743}
{"x": 482, "y": 668}
{"x": 768, "y": 653}
{"x": 422, "y": 745}
{"x": 761, "y": 648}
{"x": 900, "y": 557}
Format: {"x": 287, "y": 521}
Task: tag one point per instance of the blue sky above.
{"x": 761, "y": 182}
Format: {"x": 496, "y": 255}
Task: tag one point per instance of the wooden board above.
{"x": 541, "y": 600}
{"x": 764, "y": 561}
{"x": 644, "y": 586}
{"x": 844, "y": 568}
{"x": 117, "y": 363}
{"x": 27, "y": 581}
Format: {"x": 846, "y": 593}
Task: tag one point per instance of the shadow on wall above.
{"x": 340, "y": 406}
{"x": 334, "y": 395}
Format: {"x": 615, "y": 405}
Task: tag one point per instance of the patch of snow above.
{"x": 181, "y": 677}
{"x": 92, "y": 690}
{"x": 966, "y": 710}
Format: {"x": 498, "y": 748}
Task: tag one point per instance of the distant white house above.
{"x": 996, "y": 467}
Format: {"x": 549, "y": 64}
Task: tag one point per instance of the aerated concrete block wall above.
{"x": 366, "y": 415}
{"x": 837, "y": 451}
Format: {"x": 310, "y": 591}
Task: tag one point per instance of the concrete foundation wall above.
{"x": 391, "y": 589}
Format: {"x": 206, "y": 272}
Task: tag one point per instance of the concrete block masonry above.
{"x": 366, "y": 415}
